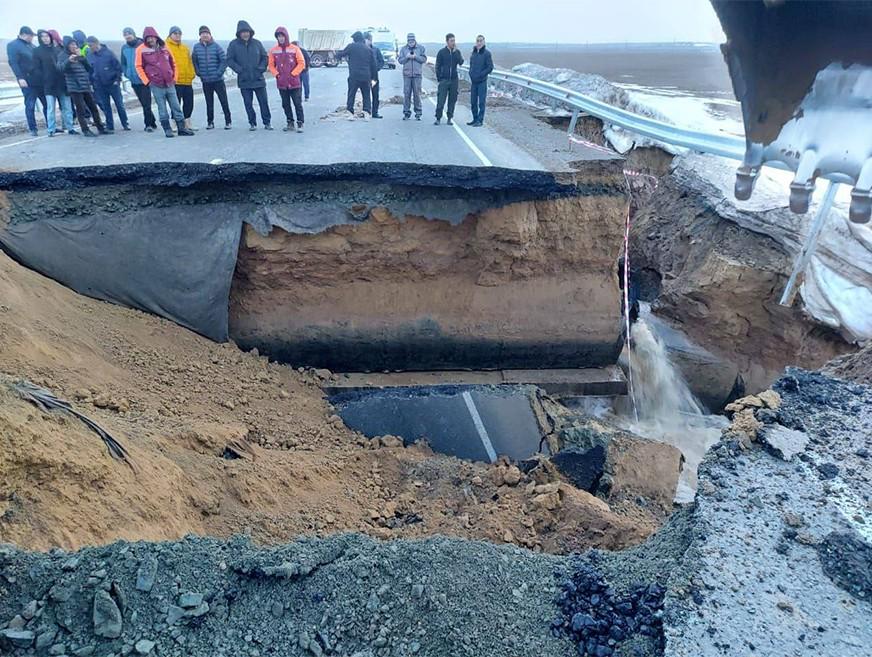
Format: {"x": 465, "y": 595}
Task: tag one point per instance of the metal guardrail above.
{"x": 696, "y": 140}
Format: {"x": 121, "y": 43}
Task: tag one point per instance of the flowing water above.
{"x": 667, "y": 409}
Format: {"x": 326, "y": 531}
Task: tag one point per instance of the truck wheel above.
{"x": 317, "y": 60}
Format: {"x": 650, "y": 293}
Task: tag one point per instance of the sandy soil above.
{"x": 177, "y": 401}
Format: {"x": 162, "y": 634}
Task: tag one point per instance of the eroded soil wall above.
{"x": 352, "y": 267}
{"x": 528, "y": 284}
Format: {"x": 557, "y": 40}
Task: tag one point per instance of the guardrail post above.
{"x": 810, "y": 243}
{"x": 573, "y": 121}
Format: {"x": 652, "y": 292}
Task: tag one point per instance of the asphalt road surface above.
{"x": 330, "y": 136}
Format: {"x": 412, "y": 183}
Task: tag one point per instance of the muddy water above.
{"x": 666, "y": 408}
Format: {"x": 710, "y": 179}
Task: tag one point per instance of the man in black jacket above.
{"x": 304, "y": 76}
{"x": 247, "y": 57}
{"x": 379, "y": 65}
{"x": 481, "y": 65}
{"x": 361, "y": 71}
{"x": 447, "y": 61}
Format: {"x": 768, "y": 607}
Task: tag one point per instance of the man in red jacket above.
{"x": 157, "y": 70}
{"x": 286, "y": 62}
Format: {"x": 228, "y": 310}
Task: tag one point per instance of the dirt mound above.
{"x": 852, "y": 367}
{"x": 185, "y": 406}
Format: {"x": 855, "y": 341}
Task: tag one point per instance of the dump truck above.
{"x": 802, "y": 70}
{"x": 323, "y": 45}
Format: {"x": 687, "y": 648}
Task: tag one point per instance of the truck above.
{"x": 323, "y": 45}
{"x": 385, "y": 40}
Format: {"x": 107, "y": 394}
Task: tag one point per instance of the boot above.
{"x": 189, "y": 125}
{"x": 166, "y": 128}
{"x": 289, "y": 127}
{"x": 300, "y": 127}
{"x": 182, "y": 130}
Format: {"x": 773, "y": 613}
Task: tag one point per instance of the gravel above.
{"x": 344, "y": 595}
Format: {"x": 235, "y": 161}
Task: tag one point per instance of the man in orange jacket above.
{"x": 286, "y": 62}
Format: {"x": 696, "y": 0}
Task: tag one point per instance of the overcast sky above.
{"x": 545, "y": 21}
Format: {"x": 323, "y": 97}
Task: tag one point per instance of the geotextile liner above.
{"x": 165, "y": 238}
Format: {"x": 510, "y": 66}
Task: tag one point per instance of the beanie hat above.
{"x": 92, "y": 39}
{"x": 128, "y": 30}
{"x": 410, "y": 36}
{"x": 175, "y": 28}
{"x": 205, "y": 29}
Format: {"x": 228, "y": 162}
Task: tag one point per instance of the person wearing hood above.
{"x": 412, "y": 57}
{"x": 361, "y": 71}
{"x": 77, "y": 77}
{"x": 247, "y": 58}
{"x": 379, "y": 65}
{"x": 106, "y": 76}
{"x": 481, "y": 65}
{"x": 128, "y": 65}
{"x": 45, "y": 60}
{"x": 184, "y": 72}
{"x": 286, "y": 62}
{"x": 19, "y": 54}
{"x": 81, "y": 41}
{"x": 447, "y": 78}
{"x": 304, "y": 76}
{"x": 156, "y": 68}
{"x": 210, "y": 62}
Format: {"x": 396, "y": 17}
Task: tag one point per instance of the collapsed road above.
{"x": 268, "y": 510}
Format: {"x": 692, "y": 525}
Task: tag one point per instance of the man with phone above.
{"x": 412, "y": 57}
{"x": 447, "y": 61}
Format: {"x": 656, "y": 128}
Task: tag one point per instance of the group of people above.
{"x": 82, "y": 77}
{"x": 364, "y": 63}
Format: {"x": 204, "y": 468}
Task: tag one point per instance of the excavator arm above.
{"x": 802, "y": 70}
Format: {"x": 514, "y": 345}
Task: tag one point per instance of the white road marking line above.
{"x": 475, "y": 149}
{"x": 23, "y": 141}
{"x": 479, "y": 426}
{"x": 27, "y": 141}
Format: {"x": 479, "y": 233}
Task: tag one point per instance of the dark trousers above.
{"x": 294, "y": 96}
{"x": 375, "y": 90}
{"x": 143, "y": 93}
{"x": 84, "y": 101}
{"x": 107, "y": 95}
{"x": 364, "y": 86}
{"x": 447, "y": 90}
{"x": 262, "y": 101}
{"x": 185, "y": 94}
{"x": 304, "y": 78}
{"x": 478, "y": 100}
{"x": 209, "y": 91}
{"x": 31, "y": 95}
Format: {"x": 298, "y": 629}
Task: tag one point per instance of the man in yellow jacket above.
{"x": 184, "y": 73}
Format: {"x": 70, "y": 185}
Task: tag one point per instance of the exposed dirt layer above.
{"x": 181, "y": 403}
{"x": 853, "y": 367}
{"x": 529, "y": 284}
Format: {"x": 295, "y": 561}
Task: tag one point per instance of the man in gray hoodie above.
{"x": 413, "y": 56}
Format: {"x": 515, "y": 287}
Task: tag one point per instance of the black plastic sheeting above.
{"x": 180, "y": 270}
